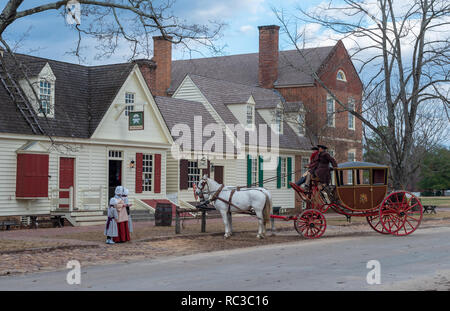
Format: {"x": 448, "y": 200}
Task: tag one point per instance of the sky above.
{"x": 48, "y": 35}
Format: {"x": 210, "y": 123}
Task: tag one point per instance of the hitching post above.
{"x": 177, "y": 221}
{"x": 203, "y": 221}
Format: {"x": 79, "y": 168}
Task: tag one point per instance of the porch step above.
{"x": 90, "y": 218}
{"x": 90, "y": 223}
{"x": 82, "y": 217}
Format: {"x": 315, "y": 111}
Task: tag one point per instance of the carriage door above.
{"x": 66, "y": 179}
{"x": 363, "y": 189}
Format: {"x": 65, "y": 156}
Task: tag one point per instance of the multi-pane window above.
{"x": 129, "y": 103}
{"x": 115, "y": 154}
{"x": 250, "y": 114}
{"x": 193, "y": 173}
{"x": 351, "y": 117}
{"x": 283, "y": 172}
{"x": 278, "y": 120}
{"x": 147, "y": 172}
{"x": 45, "y": 91}
{"x": 351, "y": 158}
{"x": 301, "y": 124}
{"x": 330, "y": 111}
{"x": 254, "y": 169}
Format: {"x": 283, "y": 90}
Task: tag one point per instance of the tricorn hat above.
{"x": 322, "y": 146}
{"x": 314, "y": 148}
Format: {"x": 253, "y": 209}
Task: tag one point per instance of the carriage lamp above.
{"x": 132, "y": 164}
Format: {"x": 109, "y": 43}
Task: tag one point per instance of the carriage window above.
{"x": 378, "y": 176}
{"x": 344, "y": 177}
{"x": 363, "y": 177}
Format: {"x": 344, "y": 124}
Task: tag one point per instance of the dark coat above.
{"x": 323, "y": 168}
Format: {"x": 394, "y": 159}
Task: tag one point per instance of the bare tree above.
{"x": 403, "y": 54}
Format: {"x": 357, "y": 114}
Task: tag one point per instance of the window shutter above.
{"x": 289, "y": 171}
{"x": 249, "y": 171}
{"x": 32, "y": 176}
{"x": 279, "y": 173}
{"x": 157, "y": 173}
{"x": 138, "y": 184}
{"x": 260, "y": 171}
{"x": 183, "y": 174}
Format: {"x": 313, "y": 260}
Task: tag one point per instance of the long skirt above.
{"x": 124, "y": 233}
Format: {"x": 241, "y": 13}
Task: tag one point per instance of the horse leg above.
{"x": 261, "y": 226}
{"x": 225, "y": 222}
{"x": 230, "y": 222}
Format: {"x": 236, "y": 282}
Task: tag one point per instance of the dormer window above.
{"x": 341, "y": 75}
{"x": 301, "y": 124}
{"x": 250, "y": 116}
{"x": 45, "y": 97}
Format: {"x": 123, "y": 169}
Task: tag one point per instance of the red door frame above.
{"x": 66, "y": 178}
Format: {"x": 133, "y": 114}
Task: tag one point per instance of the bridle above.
{"x": 201, "y": 188}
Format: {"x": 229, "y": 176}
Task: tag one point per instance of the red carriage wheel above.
{"x": 311, "y": 224}
{"x": 375, "y": 222}
{"x": 401, "y": 213}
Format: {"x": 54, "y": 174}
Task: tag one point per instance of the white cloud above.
{"x": 247, "y": 29}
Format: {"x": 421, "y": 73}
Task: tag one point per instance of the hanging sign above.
{"x": 135, "y": 120}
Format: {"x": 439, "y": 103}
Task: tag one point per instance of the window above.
{"x": 330, "y": 111}
{"x": 363, "y": 177}
{"x": 283, "y": 172}
{"x": 278, "y": 121}
{"x": 301, "y": 124}
{"x": 129, "y": 103}
{"x": 147, "y": 172}
{"x": 341, "y": 76}
{"x": 193, "y": 173}
{"x": 351, "y": 158}
{"x": 45, "y": 91}
{"x": 351, "y": 117}
{"x": 115, "y": 154}
{"x": 250, "y": 114}
{"x": 254, "y": 170}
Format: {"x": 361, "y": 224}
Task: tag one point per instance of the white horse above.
{"x": 242, "y": 200}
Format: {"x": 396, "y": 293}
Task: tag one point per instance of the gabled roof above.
{"x": 243, "y": 68}
{"x": 215, "y": 91}
{"x": 78, "y": 90}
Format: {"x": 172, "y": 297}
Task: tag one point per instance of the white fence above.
{"x": 89, "y": 198}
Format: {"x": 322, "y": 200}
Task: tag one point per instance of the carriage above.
{"x": 359, "y": 189}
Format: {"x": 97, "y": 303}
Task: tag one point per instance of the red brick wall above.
{"x": 268, "y": 55}
{"x": 314, "y": 99}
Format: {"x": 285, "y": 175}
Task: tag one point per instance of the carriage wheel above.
{"x": 311, "y": 224}
{"x": 401, "y": 213}
{"x": 375, "y": 222}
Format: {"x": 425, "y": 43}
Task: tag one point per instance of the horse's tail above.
{"x": 267, "y": 207}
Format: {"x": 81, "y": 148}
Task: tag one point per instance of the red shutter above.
{"x": 138, "y": 188}
{"x": 32, "y": 176}
{"x": 157, "y": 173}
{"x": 183, "y": 174}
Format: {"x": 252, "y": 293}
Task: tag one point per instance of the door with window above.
{"x": 66, "y": 180}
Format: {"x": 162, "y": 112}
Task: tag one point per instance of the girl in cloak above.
{"x": 122, "y": 219}
{"x": 127, "y": 205}
{"x": 111, "y": 224}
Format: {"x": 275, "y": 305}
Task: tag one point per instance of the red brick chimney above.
{"x": 268, "y": 55}
{"x": 162, "y": 56}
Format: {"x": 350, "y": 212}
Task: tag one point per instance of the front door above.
{"x": 66, "y": 179}
{"x": 115, "y": 176}
{"x": 218, "y": 174}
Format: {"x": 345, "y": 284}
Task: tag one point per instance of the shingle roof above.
{"x": 243, "y": 68}
{"x": 78, "y": 91}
